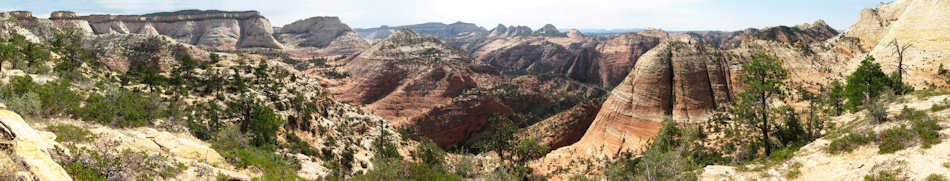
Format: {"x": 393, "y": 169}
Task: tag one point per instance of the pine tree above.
{"x": 764, "y": 80}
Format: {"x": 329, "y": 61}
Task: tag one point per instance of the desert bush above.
{"x": 58, "y": 99}
{"x": 28, "y": 105}
{"x": 82, "y": 163}
{"x": 940, "y": 106}
{"x": 928, "y": 131}
{"x": 887, "y": 175}
{"x": 399, "y": 170}
{"x": 911, "y": 114}
{"x": 877, "y": 112}
{"x": 935, "y": 177}
{"x": 850, "y": 142}
{"x": 71, "y": 133}
{"x": 895, "y": 139}
{"x": 121, "y": 108}
{"x": 233, "y": 146}
{"x": 296, "y": 145}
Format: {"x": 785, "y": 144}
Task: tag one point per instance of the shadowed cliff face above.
{"x": 205, "y": 29}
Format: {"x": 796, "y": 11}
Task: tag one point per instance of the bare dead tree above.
{"x": 899, "y": 49}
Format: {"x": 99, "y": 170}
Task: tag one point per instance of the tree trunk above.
{"x": 765, "y": 124}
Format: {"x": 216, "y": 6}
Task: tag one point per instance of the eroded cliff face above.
{"x": 674, "y": 81}
{"x": 798, "y": 35}
{"x": 205, "y": 29}
{"x": 408, "y": 75}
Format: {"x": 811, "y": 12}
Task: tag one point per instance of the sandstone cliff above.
{"x": 510, "y": 31}
{"x": 206, "y": 29}
{"x": 320, "y": 36}
{"x": 674, "y": 81}
{"x": 549, "y": 30}
{"x": 445, "y": 32}
{"x": 797, "y": 35}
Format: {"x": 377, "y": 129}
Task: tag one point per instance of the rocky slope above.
{"x": 799, "y": 35}
{"x": 674, "y": 81}
{"x": 30, "y": 149}
{"x": 549, "y": 30}
{"x": 813, "y": 162}
{"x": 511, "y": 31}
{"x": 910, "y": 22}
{"x": 686, "y": 82}
{"x": 320, "y": 36}
{"x": 407, "y": 75}
{"x": 445, "y": 32}
{"x": 206, "y": 29}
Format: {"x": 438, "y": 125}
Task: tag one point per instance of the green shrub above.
{"x": 263, "y": 126}
{"x": 850, "y": 142}
{"x": 890, "y": 175}
{"x": 936, "y": 177}
{"x": 877, "y": 112}
{"x": 394, "y": 169}
{"x": 795, "y": 172}
{"x": 911, "y": 114}
{"x": 85, "y": 164}
{"x": 335, "y": 74}
{"x": 80, "y": 172}
{"x": 928, "y": 131}
{"x": 234, "y": 147}
{"x": 58, "y": 99}
{"x": 940, "y": 107}
{"x": 295, "y": 144}
{"x": 122, "y": 108}
{"x": 895, "y": 139}
{"x": 67, "y": 132}
{"x": 28, "y": 105}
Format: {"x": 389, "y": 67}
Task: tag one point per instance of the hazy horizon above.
{"x": 674, "y": 15}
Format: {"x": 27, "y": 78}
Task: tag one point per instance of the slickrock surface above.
{"x": 32, "y": 149}
{"x": 920, "y": 23}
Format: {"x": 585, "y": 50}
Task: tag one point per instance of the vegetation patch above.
{"x": 84, "y": 164}
{"x": 886, "y": 175}
{"x": 850, "y": 142}
{"x": 71, "y": 133}
{"x": 895, "y": 139}
{"x": 936, "y": 177}
{"x": 234, "y": 146}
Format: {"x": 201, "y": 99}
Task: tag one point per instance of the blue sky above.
{"x": 585, "y": 14}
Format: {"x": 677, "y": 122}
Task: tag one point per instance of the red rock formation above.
{"x": 675, "y": 81}
{"x": 566, "y": 127}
